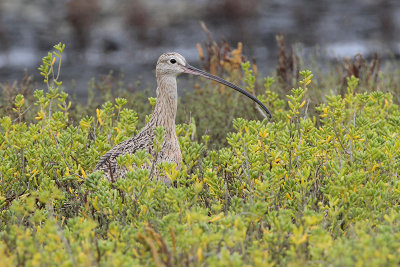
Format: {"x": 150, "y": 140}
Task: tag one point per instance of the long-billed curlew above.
{"x": 169, "y": 66}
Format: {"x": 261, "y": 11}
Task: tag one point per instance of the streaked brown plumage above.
{"x": 169, "y": 66}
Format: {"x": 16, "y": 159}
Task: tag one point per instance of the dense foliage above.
{"x": 318, "y": 185}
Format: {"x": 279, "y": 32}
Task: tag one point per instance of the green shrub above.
{"x": 303, "y": 189}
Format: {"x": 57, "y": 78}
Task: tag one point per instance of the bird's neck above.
{"x": 167, "y": 100}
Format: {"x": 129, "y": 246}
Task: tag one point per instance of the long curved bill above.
{"x": 192, "y": 70}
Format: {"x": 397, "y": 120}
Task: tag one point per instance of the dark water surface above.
{"x": 105, "y": 35}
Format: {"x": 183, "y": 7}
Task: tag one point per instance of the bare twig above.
{"x": 153, "y": 166}
{"x": 75, "y": 159}
{"x": 301, "y": 134}
{"x": 246, "y": 171}
{"x": 337, "y": 137}
{"x": 290, "y": 148}
{"x": 204, "y": 27}
{"x": 305, "y": 113}
{"x": 9, "y": 200}
{"x": 62, "y": 154}
{"x": 59, "y": 69}
{"x": 22, "y": 114}
{"x": 110, "y": 170}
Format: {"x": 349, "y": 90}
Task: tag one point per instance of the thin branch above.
{"x": 59, "y": 69}
{"x": 246, "y": 171}
{"x": 305, "y": 113}
{"x": 337, "y": 137}
{"x": 204, "y": 27}
{"x": 153, "y": 166}
{"x": 301, "y": 134}
{"x": 290, "y": 148}
{"x": 110, "y": 170}
{"x": 20, "y": 115}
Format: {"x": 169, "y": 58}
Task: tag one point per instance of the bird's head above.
{"x": 173, "y": 64}
{"x": 170, "y": 64}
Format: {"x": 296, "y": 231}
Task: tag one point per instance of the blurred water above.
{"x": 130, "y": 35}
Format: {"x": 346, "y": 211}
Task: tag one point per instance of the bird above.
{"x": 169, "y": 66}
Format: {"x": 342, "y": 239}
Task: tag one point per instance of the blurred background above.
{"x": 129, "y": 35}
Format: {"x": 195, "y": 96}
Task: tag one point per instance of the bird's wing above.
{"x": 143, "y": 140}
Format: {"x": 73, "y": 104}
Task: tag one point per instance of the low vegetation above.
{"x": 317, "y": 185}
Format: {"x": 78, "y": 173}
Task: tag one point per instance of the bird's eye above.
{"x": 173, "y": 61}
